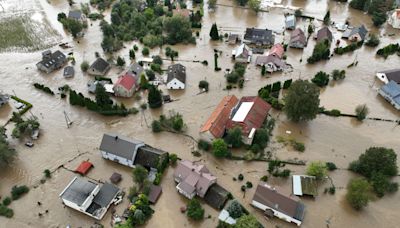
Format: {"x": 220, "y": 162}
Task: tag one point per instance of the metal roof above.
{"x": 78, "y": 190}
{"x": 120, "y": 145}
{"x": 106, "y": 194}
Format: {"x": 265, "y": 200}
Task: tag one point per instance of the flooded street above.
{"x": 339, "y": 140}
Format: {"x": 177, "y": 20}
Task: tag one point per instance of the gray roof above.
{"x": 360, "y": 30}
{"x": 263, "y": 36}
{"x": 100, "y": 65}
{"x": 177, "y": 71}
{"x": 75, "y": 14}
{"x": 106, "y": 194}
{"x": 55, "y": 58}
{"x": 120, "y": 145}
{"x": 78, "y": 190}
{"x": 148, "y": 157}
{"x": 136, "y": 69}
{"x": 216, "y": 196}
{"x": 69, "y": 71}
{"x": 393, "y": 74}
{"x": 290, "y": 21}
{"x": 324, "y": 34}
{"x": 392, "y": 89}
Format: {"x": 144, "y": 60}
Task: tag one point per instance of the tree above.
{"x": 84, "y": 66}
{"x": 327, "y": 18}
{"x": 321, "y": 79}
{"x": 310, "y": 29}
{"x": 235, "y": 209}
{"x": 254, "y": 5}
{"x": 145, "y": 51}
{"x": 317, "y": 169}
{"x": 154, "y": 98}
{"x": 263, "y": 70}
{"x": 372, "y": 41}
{"x": 194, "y": 210}
{"x": 321, "y": 52}
{"x": 120, "y": 61}
{"x": 212, "y": 4}
{"x": 203, "y": 84}
{"x": 247, "y": 221}
{"x": 338, "y": 74}
{"x": 157, "y": 60}
{"x": 361, "y": 112}
{"x": 7, "y": 153}
{"x": 234, "y": 137}
{"x": 150, "y": 75}
{"x": 219, "y": 148}
{"x": 156, "y": 126}
{"x": 376, "y": 160}
{"x": 214, "y": 32}
{"x": 302, "y": 101}
{"x": 177, "y": 29}
{"x": 298, "y": 13}
{"x": 73, "y": 26}
{"x": 144, "y": 83}
{"x": 139, "y": 217}
{"x": 102, "y": 97}
{"x": 358, "y": 193}
{"x": 132, "y": 54}
{"x": 242, "y": 2}
{"x": 378, "y": 18}
{"x": 139, "y": 174}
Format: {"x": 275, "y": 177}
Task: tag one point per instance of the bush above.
{"x": 204, "y": 145}
{"x": 321, "y": 52}
{"x": 361, "y": 112}
{"x": 156, "y": 126}
{"x": 321, "y": 79}
{"x": 332, "y": 190}
{"x": 249, "y": 184}
{"x": 18, "y": 191}
{"x": 338, "y": 74}
{"x": 298, "y": 146}
{"x": 7, "y": 201}
{"x": 358, "y": 193}
{"x": 276, "y": 87}
{"x": 330, "y": 166}
{"x": 243, "y": 188}
{"x": 84, "y": 66}
{"x": 333, "y": 112}
{"x": 43, "y": 88}
{"x": 348, "y": 48}
{"x": 120, "y": 61}
{"x": 287, "y": 84}
{"x": 194, "y": 210}
{"x": 173, "y": 158}
{"x": 47, "y": 173}
{"x": 388, "y": 50}
{"x": 240, "y": 177}
{"x": 6, "y": 212}
{"x": 264, "y": 178}
{"x": 145, "y": 51}
{"x": 317, "y": 169}
{"x": 156, "y": 67}
{"x": 219, "y": 148}
{"x": 157, "y": 180}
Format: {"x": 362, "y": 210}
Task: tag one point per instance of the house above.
{"x": 391, "y": 93}
{"x": 69, "y": 72}
{"x": 176, "y": 76}
{"x": 99, "y": 67}
{"x": 3, "y": 99}
{"x": 249, "y": 114}
{"x": 277, "y": 50}
{"x": 358, "y": 34}
{"x": 216, "y": 196}
{"x": 77, "y": 15}
{"x": 89, "y": 197}
{"x": 233, "y": 39}
{"x": 91, "y": 85}
{"x": 269, "y": 200}
{"x": 51, "y": 61}
{"x": 125, "y": 85}
{"x": 215, "y": 125}
{"x": 130, "y": 152}
{"x": 389, "y": 75}
{"x": 298, "y": 39}
{"x": 136, "y": 70}
{"x": 271, "y": 63}
{"x": 259, "y": 37}
{"x": 193, "y": 179}
{"x": 304, "y": 185}
{"x": 290, "y": 22}
{"x": 394, "y": 19}
{"x": 242, "y": 54}
{"x": 324, "y": 34}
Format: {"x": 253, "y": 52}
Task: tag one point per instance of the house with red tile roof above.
{"x": 215, "y": 125}
{"x": 125, "y": 86}
{"x": 193, "y": 179}
{"x": 277, "y": 50}
{"x": 249, "y": 114}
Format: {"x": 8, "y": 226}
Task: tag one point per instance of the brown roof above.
{"x": 269, "y": 197}
{"x": 277, "y": 50}
{"x": 298, "y": 36}
{"x": 265, "y": 59}
{"x": 216, "y": 123}
{"x": 254, "y": 118}
{"x": 155, "y": 192}
{"x": 324, "y": 34}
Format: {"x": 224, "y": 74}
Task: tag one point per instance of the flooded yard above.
{"x": 339, "y": 140}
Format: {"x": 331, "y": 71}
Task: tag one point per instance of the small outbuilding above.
{"x": 304, "y": 185}
{"x": 242, "y": 54}
{"x": 290, "y": 22}
{"x": 155, "y": 192}
{"x": 69, "y": 72}
{"x": 84, "y": 168}
{"x": 99, "y": 67}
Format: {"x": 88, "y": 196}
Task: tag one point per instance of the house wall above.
{"x": 121, "y": 91}
{"x": 189, "y": 196}
{"x": 297, "y": 44}
{"x": 118, "y": 159}
{"x": 276, "y": 213}
{"x": 44, "y": 69}
{"x": 86, "y": 204}
{"x": 382, "y": 77}
{"x": 175, "y": 84}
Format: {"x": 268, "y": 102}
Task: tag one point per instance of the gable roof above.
{"x": 265, "y": 59}
{"x": 393, "y": 74}
{"x": 75, "y": 14}
{"x": 271, "y": 198}
{"x": 78, "y": 190}
{"x": 259, "y": 35}
{"x": 361, "y": 30}
{"x": 298, "y": 36}
{"x": 216, "y": 196}
{"x": 127, "y": 81}
{"x": 277, "y": 50}
{"x": 324, "y": 34}
{"x": 100, "y": 65}
{"x": 177, "y": 71}
{"x": 120, "y": 145}
{"x": 69, "y": 71}
{"x": 49, "y": 59}
{"x": 155, "y": 192}
{"x": 392, "y": 89}
{"x": 243, "y": 50}
{"x": 216, "y": 123}
{"x": 148, "y": 157}
{"x": 135, "y": 69}
{"x": 84, "y": 167}
{"x": 106, "y": 194}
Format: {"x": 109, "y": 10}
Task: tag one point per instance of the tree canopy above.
{"x": 194, "y": 210}
{"x": 317, "y": 169}
{"x": 358, "y": 193}
{"x": 139, "y": 174}
{"x": 235, "y": 209}
{"x": 154, "y": 97}
{"x": 302, "y": 101}
{"x": 219, "y": 148}
{"x": 234, "y": 137}
{"x": 7, "y": 153}
{"x": 178, "y": 30}
{"x": 247, "y": 221}
{"x": 214, "y": 32}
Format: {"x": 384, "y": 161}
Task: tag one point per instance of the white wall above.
{"x": 276, "y": 213}
{"x": 175, "y": 84}
{"x": 118, "y": 159}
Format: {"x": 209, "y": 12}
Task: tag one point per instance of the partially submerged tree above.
{"x": 327, "y": 18}
{"x": 219, "y": 148}
{"x": 358, "y": 193}
{"x": 194, "y": 210}
{"x": 247, "y": 221}
{"x": 255, "y": 5}
{"x": 7, "y": 153}
{"x": 139, "y": 174}
{"x": 302, "y": 101}
{"x": 234, "y": 137}
{"x": 317, "y": 169}
{"x": 214, "y": 32}
{"x": 154, "y": 98}
{"x": 361, "y": 112}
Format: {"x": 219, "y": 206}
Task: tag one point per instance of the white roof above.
{"x": 109, "y": 88}
{"x": 297, "y": 190}
{"x": 242, "y": 112}
{"x": 224, "y": 216}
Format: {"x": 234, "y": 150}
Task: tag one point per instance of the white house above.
{"x": 176, "y": 76}
{"x": 120, "y": 149}
{"x": 242, "y": 54}
{"x": 89, "y": 197}
{"x": 394, "y": 19}
{"x": 389, "y": 75}
{"x": 271, "y": 202}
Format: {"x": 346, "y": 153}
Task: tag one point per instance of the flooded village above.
{"x": 179, "y": 134}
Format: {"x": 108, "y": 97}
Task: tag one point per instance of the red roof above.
{"x": 254, "y": 118}
{"x": 277, "y": 50}
{"x": 84, "y": 167}
{"x": 216, "y": 123}
{"x": 127, "y": 81}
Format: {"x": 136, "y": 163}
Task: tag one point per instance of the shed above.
{"x": 84, "y": 168}
{"x": 216, "y": 196}
{"x": 69, "y": 72}
{"x": 155, "y": 192}
{"x": 304, "y": 185}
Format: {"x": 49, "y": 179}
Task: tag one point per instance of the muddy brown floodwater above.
{"x": 339, "y": 140}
